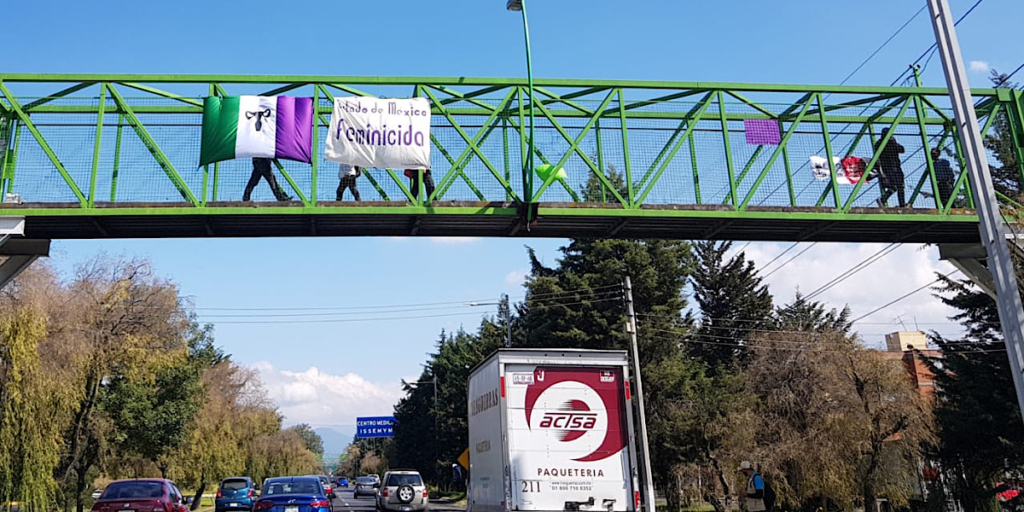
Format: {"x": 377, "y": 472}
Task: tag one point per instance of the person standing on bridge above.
{"x": 347, "y": 174}
{"x": 945, "y": 178}
{"x": 428, "y": 182}
{"x": 890, "y": 170}
{"x": 261, "y": 169}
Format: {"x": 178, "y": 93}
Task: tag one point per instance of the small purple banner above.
{"x": 762, "y": 131}
{"x": 294, "y": 128}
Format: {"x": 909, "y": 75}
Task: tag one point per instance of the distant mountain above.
{"x": 335, "y": 440}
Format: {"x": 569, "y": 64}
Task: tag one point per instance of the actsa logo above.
{"x": 572, "y": 402}
{"x": 572, "y": 420}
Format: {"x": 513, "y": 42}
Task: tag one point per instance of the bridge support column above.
{"x": 17, "y": 253}
{"x": 992, "y": 230}
{"x": 967, "y": 259}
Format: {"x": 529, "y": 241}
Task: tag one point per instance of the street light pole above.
{"x": 993, "y": 231}
{"x": 520, "y": 5}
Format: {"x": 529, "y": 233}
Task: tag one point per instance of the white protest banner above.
{"x": 380, "y": 133}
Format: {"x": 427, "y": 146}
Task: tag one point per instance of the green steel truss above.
{"x": 94, "y": 156}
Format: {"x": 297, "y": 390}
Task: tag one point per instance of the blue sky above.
{"x": 358, "y": 364}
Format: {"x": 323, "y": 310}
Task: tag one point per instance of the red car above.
{"x": 143, "y": 495}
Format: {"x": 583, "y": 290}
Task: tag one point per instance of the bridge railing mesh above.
{"x": 693, "y": 151}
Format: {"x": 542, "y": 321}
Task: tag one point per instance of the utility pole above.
{"x": 647, "y": 483}
{"x": 508, "y": 319}
{"x": 993, "y": 232}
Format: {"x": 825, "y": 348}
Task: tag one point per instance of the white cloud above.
{"x": 901, "y": 271}
{"x": 979, "y": 66}
{"x": 516, "y": 277}
{"x": 323, "y": 399}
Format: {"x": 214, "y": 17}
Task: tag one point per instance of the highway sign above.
{"x": 377, "y": 426}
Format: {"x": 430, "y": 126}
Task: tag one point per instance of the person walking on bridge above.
{"x": 890, "y": 170}
{"x": 261, "y": 169}
{"x": 414, "y": 185}
{"x": 347, "y": 174}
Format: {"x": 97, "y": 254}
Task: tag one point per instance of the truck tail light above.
{"x": 636, "y": 494}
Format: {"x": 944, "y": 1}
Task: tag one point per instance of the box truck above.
{"x": 551, "y": 430}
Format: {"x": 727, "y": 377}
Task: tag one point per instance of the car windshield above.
{"x": 304, "y": 486}
{"x": 366, "y": 480}
{"x": 233, "y": 485}
{"x": 127, "y": 490}
{"x": 398, "y": 480}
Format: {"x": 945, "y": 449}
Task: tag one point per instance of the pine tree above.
{"x": 981, "y": 438}
{"x": 811, "y": 316}
{"x": 733, "y": 303}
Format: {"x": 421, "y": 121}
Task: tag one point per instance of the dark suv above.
{"x": 235, "y": 493}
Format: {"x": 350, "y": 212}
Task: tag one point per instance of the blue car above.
{"x": 293, "y": 494}
{"x": 235, "y": 493}
{"x": 342, "y": 482}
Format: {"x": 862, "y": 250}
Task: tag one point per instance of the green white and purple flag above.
{"x": 257, "y": 126}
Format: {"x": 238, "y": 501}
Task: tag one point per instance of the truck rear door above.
{"x": 568, "y": 438}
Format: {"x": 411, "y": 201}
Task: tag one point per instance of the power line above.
{"x": 457, "y": 303}
{"x": 934, "y": 46}
{"x": 404, "y": 317}
{"x": 820, "y": 347}
{"x": 884, "y": 44}
{"x": 853, "y": 270}
{"x": 781, "y": 254}
{"x": 873, "y": 311}
{"x": 787, "y": 262}
{"x": 760, "y": 330}
{"x": 894, "y": 82}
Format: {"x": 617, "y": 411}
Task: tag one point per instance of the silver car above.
{"x": 402, "y": 491}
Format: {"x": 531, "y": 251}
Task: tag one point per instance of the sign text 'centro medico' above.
{"x": 380, "y": 133}
{"x": 378, "y": 426}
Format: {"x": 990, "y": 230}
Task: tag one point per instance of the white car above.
{"x": 402, "y": 491}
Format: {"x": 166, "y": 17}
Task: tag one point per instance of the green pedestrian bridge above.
{"x": 116, "y": 156}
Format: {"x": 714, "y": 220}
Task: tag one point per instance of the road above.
{"x": 346, "y": 502}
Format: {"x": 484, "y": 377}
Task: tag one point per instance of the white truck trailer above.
{"x": 551, "y": 430}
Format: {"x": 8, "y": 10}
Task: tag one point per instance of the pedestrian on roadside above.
{"x": 347, "y": 175}
{"x": 428, "y": 181}
{"x": 890, "y": 170}
{"x": 261, "y": 169}
{"x": 758, "y": 496}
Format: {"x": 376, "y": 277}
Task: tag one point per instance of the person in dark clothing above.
{"x": 428, "y": 181}
{"x": 890, "y": 170}
{"x": 944, "y": 177}
{"x": 347, "y": 175}
{"x": 261, "y": 169}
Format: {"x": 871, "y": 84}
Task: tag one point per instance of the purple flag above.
{"x": 762, "y": 131}
{"x": 294, "y": 128}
